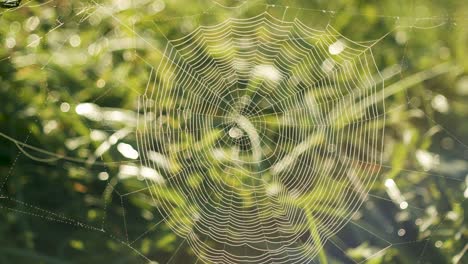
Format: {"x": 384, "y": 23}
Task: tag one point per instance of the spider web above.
{"x": 241, "y": 94}
{"x": 253, "y": 133}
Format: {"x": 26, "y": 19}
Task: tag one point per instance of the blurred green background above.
{"x": 58, "y": 55}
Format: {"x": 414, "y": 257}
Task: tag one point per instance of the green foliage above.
{"x": 71, "y": 207}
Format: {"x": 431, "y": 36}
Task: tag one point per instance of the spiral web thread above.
{"x": 220, "y": 121}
